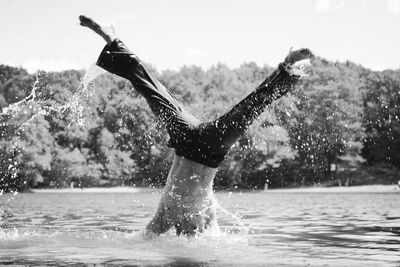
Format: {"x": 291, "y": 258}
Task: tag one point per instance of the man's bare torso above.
{"x": 187, "y": 200}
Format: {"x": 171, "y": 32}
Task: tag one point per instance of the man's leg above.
{"x": 234, "y": 123}
{"x": 118, "y": 59}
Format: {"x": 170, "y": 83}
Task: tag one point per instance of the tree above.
{"x": 327, "y": 130}
{"x": 74, "y": 166}
{"x": 382, "y": 118}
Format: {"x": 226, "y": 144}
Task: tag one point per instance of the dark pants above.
{"x": 204, "y": 143}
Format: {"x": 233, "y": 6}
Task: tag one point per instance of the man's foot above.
{"x": 298, "y": 55}
{"x": 107, "y": 32}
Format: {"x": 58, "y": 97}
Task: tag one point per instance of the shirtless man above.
{"x": 187, "y": 201}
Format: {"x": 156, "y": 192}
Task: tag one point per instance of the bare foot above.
{"x": 107, "y": 32}
{"x": 298, "y": 55}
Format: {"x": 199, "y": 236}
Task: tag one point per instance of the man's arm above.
{"x": 160, "y": 222}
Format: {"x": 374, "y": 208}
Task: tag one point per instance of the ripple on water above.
{"x": 302, "y": 230}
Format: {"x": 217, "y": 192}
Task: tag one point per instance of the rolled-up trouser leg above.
{"x": 118, "y": 59}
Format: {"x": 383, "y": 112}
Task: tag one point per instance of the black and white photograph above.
{"x": 200, "y": 133}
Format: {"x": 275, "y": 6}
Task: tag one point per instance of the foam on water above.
{"x": 128, "y": 247}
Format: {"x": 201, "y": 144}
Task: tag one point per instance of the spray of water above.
{"x": 22, "y": 113}
{"x": 243, "y": 228}
{"x": 73, "y": 110}
{"x": 75, "y": 107}
{"x": 300, "y": 67}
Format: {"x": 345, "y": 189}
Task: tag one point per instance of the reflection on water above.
{"x": 284, "y": 229}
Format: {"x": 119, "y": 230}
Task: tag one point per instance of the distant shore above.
{"x": 336, "y": 189}
{"x": 340, "y": 189}
{"x": 119, "y": 189}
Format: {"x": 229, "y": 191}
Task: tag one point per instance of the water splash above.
{"x": 300, "y": 68}
{"x": 76, "y": 106}
{"x": 5, "y": 209}
{"x": 17, "y": 116}
{"x": 243, "y": 228}
{"x": 73, "y": 110}
{"x": 114, "y": 246}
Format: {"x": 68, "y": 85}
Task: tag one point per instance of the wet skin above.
{"x": 187, "y": 201}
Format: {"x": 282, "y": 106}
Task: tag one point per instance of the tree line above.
{"x": 340, "y": 126}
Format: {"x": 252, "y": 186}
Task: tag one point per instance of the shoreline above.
{"x": 340, "y": 189}
{"x": 118, "y": 189}
{"x": 127, "y": 189}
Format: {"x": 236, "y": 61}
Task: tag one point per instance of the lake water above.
{"x": 285, "y": 229}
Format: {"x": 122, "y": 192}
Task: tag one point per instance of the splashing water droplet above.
{"x": 300, "y": 68}
{"x": 73, "y": 110}
{"x": 23, "y": 113}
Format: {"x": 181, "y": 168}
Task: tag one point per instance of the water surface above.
{"x": 289, "y": 229}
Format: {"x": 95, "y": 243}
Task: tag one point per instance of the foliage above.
{"x": 382, "y": 118}
{"x": 327, "y": 129}
{"x": 342, "y": 120}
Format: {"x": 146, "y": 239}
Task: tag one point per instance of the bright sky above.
{"x": 45, "y": 34}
